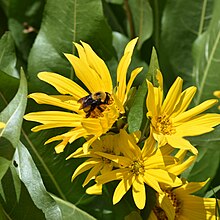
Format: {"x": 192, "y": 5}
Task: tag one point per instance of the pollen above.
{"x": 164, "y": 125}
{"x": 177, "y": 205}
{"x": 137, "y": 167}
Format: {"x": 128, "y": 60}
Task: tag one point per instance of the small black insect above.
{"x": 94, "y": 101}
{"x": 15, "y": 164}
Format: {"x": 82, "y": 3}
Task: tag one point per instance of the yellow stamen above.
{"x": 164, "y": 125}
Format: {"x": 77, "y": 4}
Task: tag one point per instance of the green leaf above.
{"x": 206, "y": 54}
{"x": 153, "y": 67}
{"x": 24, "y": 208}
{"x": 65, "y": 22}
{"x": 30, "y": 176}
{"x": 24, "y": 19}
{"x": 182, "y": 22}
{"x": 142, "y": 16}
{"x": 7, "y": 55}
{"x": 208, "y": 160}
{"x": 137, "y": 113}
{"x": 70, "y": 211}
{"x": 12, "y": 116}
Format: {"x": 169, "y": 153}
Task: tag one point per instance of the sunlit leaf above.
{"x": 182, "y": 22}
{"x": 65, "y": 22}
{"x": 207, "y": 59}
{"x": 30, "y": 176}
{"x": 142, "y": 17}
{"x": 70, "y": 211}
{"x": 12, "y": 116}
{"x": 7, "y": 55}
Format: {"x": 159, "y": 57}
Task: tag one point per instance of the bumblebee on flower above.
{"x": 91, "y": 113}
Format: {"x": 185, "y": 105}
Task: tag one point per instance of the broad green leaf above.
{"x": 70, "y": 211}
{"x": 208, "y": 160}
{"x": 65, "y": 22}
{"x": 206, "y": 54}
{"x": 142, "y": 17}
{"x": 137, "y": 113}
{"x": 24, "y": 17}
{"x": 153, "y": 67}
{"x": 7, "y": 55}
{"x": 182, "y": 22}
{"x": 12, "y": 116}
{"x": 30, "y": 176}
{"x": 24, "y": 208}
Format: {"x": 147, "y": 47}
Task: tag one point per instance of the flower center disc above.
{"x": 137, "y": 168}
{"x": 164, "y": 125}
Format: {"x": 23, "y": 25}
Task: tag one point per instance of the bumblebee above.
{"x": 95, "y": 103}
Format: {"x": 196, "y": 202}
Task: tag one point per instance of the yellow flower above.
{"x": 170, "y": 119}
{"x": 178, "y": 204}
{"x": 96, "y": 163}
{"x": 136, "y": 168}
{"x": 2, "y": 125}
{"x": 217, "y": 94}
{"x": 90, "y": 114}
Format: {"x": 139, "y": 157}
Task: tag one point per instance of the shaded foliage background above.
{"x": 35, "y": 182}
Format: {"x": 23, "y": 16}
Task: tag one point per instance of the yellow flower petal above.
{"x": 122, "y": 69}
{"x": 86, "y": 74}
{"x": 191, "y": 187}
{"x": 94, "y": 190}
{"x": 63, "y": 84}
{"x": 150, "y": 180}
{"x": 164, "y": 177}
{"x": 172, "y": 97}
{"x": 178, "y": 142}
{"x": 187, "y": 115}
{"x": 166, "y": 205}
{"x": 134, "y": 73}
{"x": 42, "y": 98}
{"x": 99, "y": 66}
{"x": 184, "y": 101}
{"x": 138, "y": 192}
{"x": 84, "y": 166}
{"x": 199, "y": 125}
{"x": 217, "y": 93}
{"x": 2, "y": 125}
{"x": 93, "y": 173}
{"x": 122, "y": 188}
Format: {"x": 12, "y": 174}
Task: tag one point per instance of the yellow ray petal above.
{"x": 191, "y": 187}
{"x": 199, "y": 125}
{"x": 178, "y": 169}
{"x": 86, "y": 74}
{"x": 117, "y": 159}
{"x": 93, "y": 173}
{"x": 172, "y": 97}
{"x": 88, "y": 164}
{"x": 88, "y": 143}
{"x": 113, "y": 175}
{"x": 122, "y": 69}
{"x": 99, "y": 66}
{"x": 150, "y": 181}
{"x": 187, "y": 115}
{"x": 163, "y": 176}
{"x": 167, "y": 206}
{"x": 42, "y": 98}
{"x": 179, "y": 142}
{"x": 159, "y": 78}
{"x": 48, "y": 117}
{"x": 63, "y": 84}
{"x": 151, "y": 101}
{"x": 94, "y": 190}
{"x": 2, "y": 125}
{"x": 134, "y": 73}
{"x": 184, "y": 101}
{"x": 122, "y": 188}
{"x": 60, "y": 147}
{"x": 139, "y": 194}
